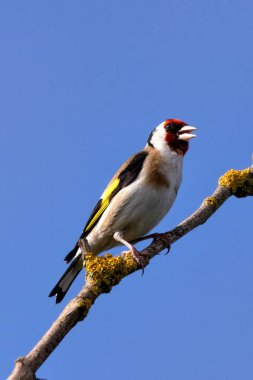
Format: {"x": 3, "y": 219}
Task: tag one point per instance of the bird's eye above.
{"x": 169, "y": 127}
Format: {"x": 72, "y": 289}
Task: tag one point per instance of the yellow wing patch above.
{"x": 105, "y": 202}
{"x": 106, "y": 194}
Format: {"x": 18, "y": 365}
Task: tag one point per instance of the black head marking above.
{"x": 150, "y": 137}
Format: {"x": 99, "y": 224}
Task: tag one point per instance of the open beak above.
{"x": 185, "y": 133}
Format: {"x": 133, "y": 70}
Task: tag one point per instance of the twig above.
{"x": 104, "y": 272}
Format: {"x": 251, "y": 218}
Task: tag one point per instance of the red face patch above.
{"x": 172, "y": 126}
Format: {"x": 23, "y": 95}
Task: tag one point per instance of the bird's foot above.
{"x": 164, "y": 238}
{"x": 138, "y": 257}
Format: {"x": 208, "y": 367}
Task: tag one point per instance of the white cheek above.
{"x": 158, "y": 139}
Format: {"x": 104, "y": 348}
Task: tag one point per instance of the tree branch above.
{"x": 104, "y": 272}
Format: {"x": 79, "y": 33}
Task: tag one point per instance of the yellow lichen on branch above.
{"x": 103, "y": 272}
{"x": 239, "y": 182}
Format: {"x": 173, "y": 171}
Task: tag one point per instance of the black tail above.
{"x": 71, "y": 254}
{"x": 67, "y": 278}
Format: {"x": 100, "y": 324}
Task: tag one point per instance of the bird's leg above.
{"x": 155, "y": 236}
{"x": 118, "y": 236}
{"x": 164, "y": 238}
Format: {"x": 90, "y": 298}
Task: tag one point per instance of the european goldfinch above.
{"x": 139, "y": 195}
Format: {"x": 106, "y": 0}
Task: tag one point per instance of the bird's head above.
{"x": 172, "y": 133}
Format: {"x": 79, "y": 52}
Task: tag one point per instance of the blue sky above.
{"x": 82, "y": 86}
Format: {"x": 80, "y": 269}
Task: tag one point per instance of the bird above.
{"x": 136, "y": 199}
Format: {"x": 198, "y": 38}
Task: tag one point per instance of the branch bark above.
{"x": 104, "y": 272}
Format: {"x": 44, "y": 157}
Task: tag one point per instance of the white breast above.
{"x": 139, "y": 207}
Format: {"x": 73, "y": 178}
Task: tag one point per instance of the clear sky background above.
{"x": 82, "y": 84}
